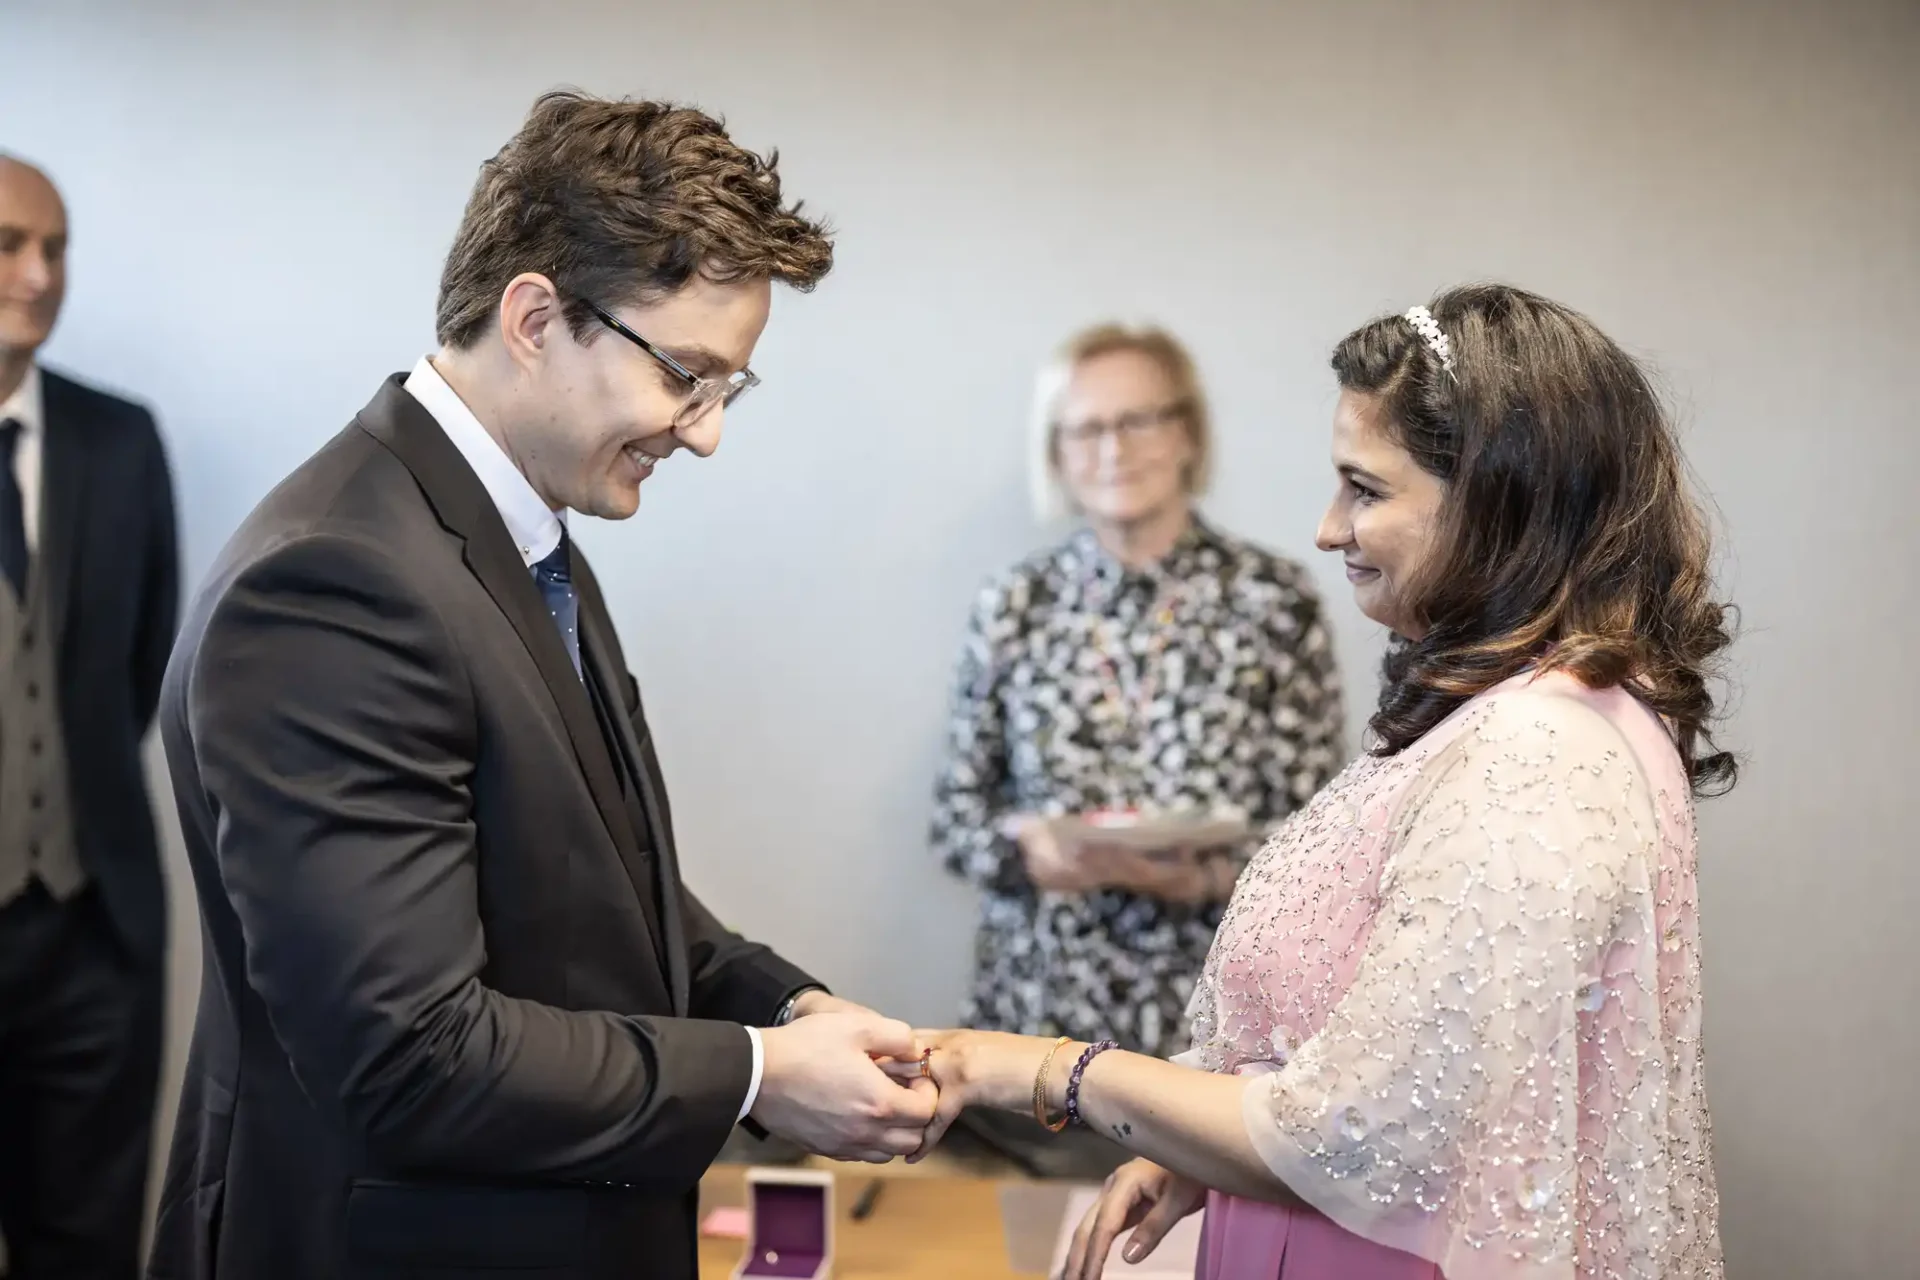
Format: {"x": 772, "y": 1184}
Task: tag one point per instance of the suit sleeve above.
{"x": 159, "y": 584}
{"x": 334, "y": 733}
{"x": 729, "y": 978}
{"x": 732, "y": 978}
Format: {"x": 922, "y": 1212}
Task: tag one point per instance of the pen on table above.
{"x": 864, "y": 1205}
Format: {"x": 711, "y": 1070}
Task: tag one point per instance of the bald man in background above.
{"x": 88, "y": 600}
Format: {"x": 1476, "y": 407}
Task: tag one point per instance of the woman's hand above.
{"x": 1050, "y": 866}
{"x": 1180, "y": 875}
{"x": 986, "y": 1069}
{"x": 1141, "y": 1195}
{"x": 1186, "y": 876}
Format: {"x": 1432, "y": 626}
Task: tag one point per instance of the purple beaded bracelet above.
{"x": 1079, "y": 1070}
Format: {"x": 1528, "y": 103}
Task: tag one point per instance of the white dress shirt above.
{"x": 535, "y": 527}
{"x": 26, "y": 407}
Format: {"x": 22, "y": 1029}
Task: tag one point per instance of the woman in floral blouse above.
{"x": 1149, "y": 663}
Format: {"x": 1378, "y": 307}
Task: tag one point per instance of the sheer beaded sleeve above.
{"x": 1491, "y": 1092}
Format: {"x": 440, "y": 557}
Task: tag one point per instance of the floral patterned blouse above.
{"x": 1206, "y": 681}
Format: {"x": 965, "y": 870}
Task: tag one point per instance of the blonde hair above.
{"x": 1050, "y": 499}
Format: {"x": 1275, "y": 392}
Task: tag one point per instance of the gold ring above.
{"x": 926, "y": 1065}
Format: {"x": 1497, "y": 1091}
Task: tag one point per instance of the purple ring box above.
{"x": 792, "y": 1232}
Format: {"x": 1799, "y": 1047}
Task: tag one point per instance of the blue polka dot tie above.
{"x": 555, "y": 576}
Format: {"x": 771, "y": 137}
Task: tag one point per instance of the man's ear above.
{"x": 531, "y": 317}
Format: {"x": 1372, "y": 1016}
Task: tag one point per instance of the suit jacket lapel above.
{"x": 596, "y": 645}
{"x": 400, "y": 422}
{"x": 63, "y": 462}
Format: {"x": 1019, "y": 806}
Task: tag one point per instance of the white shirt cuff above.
{"x": 753, "y": 1081}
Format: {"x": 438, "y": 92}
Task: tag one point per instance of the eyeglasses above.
{"x": 1135, "y": 424}
{"x": 702, "y": 393}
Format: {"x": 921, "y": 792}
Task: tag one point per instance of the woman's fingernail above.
{"x": 1133, "y": 1253}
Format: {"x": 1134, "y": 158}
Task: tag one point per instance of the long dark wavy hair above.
{"x": 1568, "y": 537}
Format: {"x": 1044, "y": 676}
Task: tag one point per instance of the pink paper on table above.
{"x": 730, "y": 1223}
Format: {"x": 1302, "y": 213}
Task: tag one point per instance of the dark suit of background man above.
{"x": 460, "y": 1013}
{"x": 88, "y": 596}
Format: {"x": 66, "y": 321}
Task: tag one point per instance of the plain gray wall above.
{"x": 262, "y": 194}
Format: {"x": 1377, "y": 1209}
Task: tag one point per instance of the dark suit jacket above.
{"x": 107, "y": 547}
{"x": 459, "y": 1012}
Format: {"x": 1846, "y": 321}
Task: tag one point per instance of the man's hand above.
{"x": 820, "y": 1086}
{"x": 818, "y": 1001}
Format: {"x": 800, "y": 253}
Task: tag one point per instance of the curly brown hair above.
{"x": 619, "y": 202}
{"x": 1568, "y": 537}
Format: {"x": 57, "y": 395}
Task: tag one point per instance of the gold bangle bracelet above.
{"x": 1040, "y": 1088}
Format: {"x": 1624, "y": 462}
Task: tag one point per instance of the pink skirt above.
{"x": 1248, "y": 1240}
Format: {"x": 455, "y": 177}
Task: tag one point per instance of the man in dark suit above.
{"x": 88, "y": 598}
{"x": 460, "y": 1013}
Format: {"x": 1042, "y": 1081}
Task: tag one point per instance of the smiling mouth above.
{"x": 1356, "y": 572}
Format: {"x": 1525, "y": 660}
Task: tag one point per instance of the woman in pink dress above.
{"x": 1450, "y": 1025}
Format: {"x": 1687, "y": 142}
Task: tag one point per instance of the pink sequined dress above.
{"x": 1464, "y": 985}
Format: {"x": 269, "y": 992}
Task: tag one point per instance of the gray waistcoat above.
{"x": 36, "y": 826}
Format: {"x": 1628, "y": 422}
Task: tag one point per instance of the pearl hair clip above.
{"x": 1436, "y": 339}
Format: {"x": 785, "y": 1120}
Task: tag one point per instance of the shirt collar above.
{"x": 25, "y": 405}
{"x": 535, "y": 527}
{"x": 1104, "y": 570}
